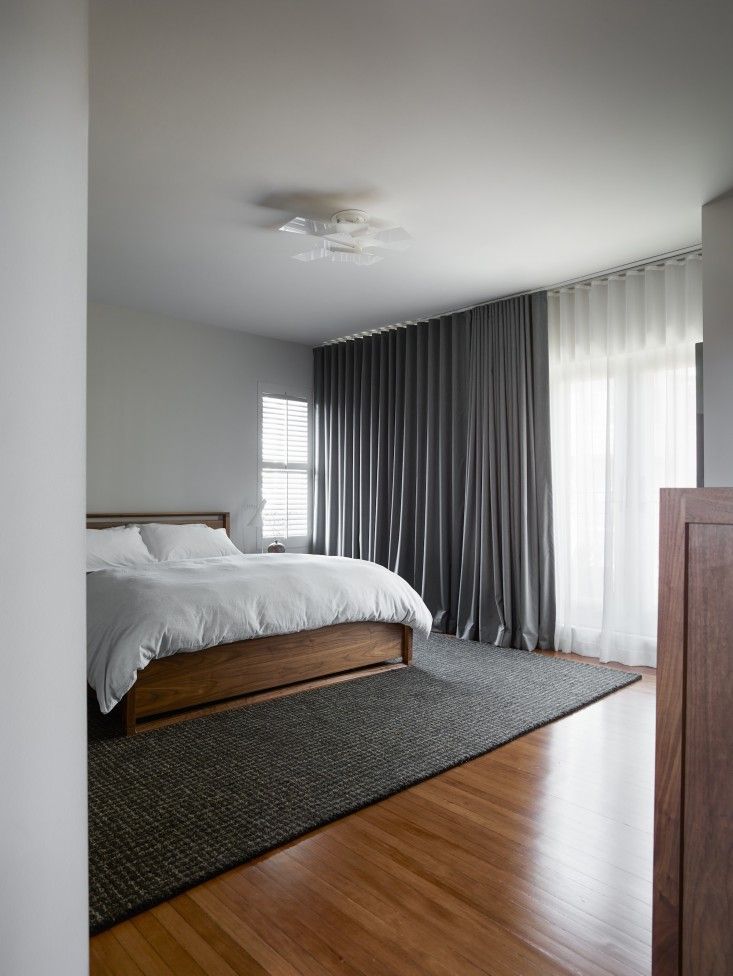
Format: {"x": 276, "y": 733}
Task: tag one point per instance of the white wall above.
{"x": 717, "y": 243}
{"x": 43, "y": 202}
{"x": 173, "y": 413}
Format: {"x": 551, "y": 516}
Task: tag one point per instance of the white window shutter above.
{"x": 285, "y": 470}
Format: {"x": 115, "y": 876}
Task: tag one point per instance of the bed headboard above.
{"x": 104, "y": 520}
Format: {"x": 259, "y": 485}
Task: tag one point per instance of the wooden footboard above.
{"x": 231, "y": 675}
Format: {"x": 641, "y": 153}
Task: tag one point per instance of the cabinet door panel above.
{"x": 707, "y": 874}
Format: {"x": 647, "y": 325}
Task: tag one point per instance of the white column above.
{"x": 43, "y": 216}
{"x": 717, "y": 334}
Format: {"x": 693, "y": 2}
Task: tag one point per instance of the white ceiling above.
{"x": 521, "y": 142}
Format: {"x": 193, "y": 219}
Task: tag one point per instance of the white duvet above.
{"x": 140, "y": 613}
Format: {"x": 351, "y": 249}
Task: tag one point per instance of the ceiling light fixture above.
{"x": 349, "y": 237}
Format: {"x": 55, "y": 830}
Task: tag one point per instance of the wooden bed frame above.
{"x": 227, "y": 676}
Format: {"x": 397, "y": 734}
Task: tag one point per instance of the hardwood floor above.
{"x": 534, "y": 859}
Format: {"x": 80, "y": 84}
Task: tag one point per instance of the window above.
{"x": 284, "y": 467}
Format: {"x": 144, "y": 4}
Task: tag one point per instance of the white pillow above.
{"x": 170, "y": 542}
{"x": 120, "y": 546}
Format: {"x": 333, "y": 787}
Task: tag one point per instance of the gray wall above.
{"x": 43, "y": 233}
{"x": 717, "y": 242}
{"x": 173, "y": 413}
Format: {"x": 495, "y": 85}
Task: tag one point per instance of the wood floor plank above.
{"x": 320, "y": 909}
{"x": 467, "y": 936}
{"x": 319, "y": 923}
{"x": 505, "y": 779}
{"x": 142, "y": 952}
{"x": 455, "y": 901}
{"x": 385, "y": 913}
{"x": 196, "y": 943}
{"x": 533, "y": 860}
{"x": 208, "y": 927}
{"x": 500, "y": 878}
{"x": 115, "y": 958}
{"x": 511, "y": 878}
{"x": 97, "y": 964}
{"x": 513, "y": 958}
{"x": 567, "y": 834}
{"x": 167, "y": 947}
{"x": 417, "y": 825}
{"x": 283, "y": 929}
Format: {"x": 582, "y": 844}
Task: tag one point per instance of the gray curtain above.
{"x": 432, "y": 457}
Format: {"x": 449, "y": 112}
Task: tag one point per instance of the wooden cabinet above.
{"x": 693, "y": 817}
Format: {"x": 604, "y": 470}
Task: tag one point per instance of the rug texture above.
{"x": 173, "y": 807}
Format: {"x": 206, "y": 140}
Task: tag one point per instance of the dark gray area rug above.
{"x": 173, "y": 807}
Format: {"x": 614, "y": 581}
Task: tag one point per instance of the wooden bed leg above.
{"x": 407, "y": 645}
{"x": 129, "y": 721}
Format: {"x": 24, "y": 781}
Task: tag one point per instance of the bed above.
{"x": 158, "y": 682}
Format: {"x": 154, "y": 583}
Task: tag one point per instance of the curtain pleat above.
{"x": 432, "y": 457}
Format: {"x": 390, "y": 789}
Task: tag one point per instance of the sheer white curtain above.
{"x": 622, "y": 412}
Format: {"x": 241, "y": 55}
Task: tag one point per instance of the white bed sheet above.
{"x": 137, "y": 614}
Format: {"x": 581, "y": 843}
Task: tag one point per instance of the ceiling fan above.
{"x": 349, "y": 237}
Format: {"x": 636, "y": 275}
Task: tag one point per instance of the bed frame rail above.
{"x": 190, "y": 684}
